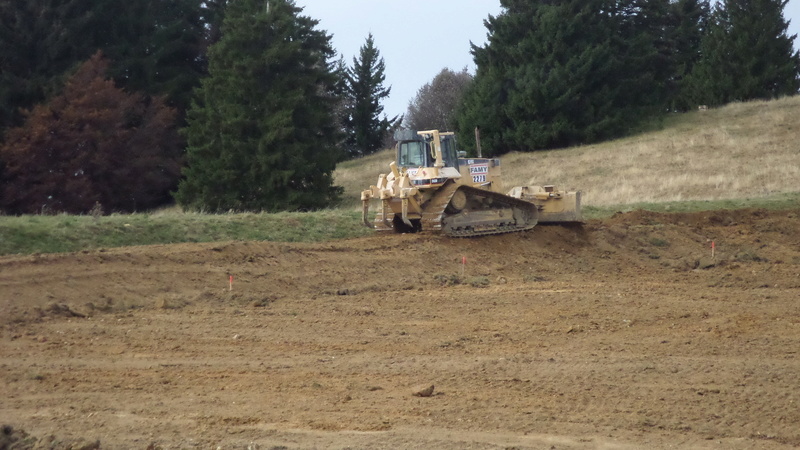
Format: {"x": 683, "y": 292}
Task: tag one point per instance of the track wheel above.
{"x": 457, "y": 203}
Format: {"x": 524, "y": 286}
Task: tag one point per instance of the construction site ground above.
{"x": 623, "y": 333}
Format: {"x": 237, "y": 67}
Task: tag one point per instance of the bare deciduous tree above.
{"x": 435, "y": 103}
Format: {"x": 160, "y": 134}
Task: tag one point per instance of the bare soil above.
{"x": 623, "y": 333}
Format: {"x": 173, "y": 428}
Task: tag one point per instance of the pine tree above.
{"x": 154, "y": 46}
{"x": 92, "y": 144}
{"x": 162, "y": 50}
{"x": 262, "y": 133}
{"x": 746, "y": 54}
{"x": 213, "y": 13}
{"x": 688, "y": 22}
{"x": 562, "y": 73}
{"x": 32, "y": 56}
{"x": 365, "y": 127}
{"x": 344, "y": 104}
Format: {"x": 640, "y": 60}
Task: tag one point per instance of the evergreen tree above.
{"x": 155, "y": 46}
{"x": 262, "y": 133}
{"x": 688, "y": 22}
{"x": 162, "y": 48}
{"x": 645, "y": 31}
{"x": 365, "y": 127}
{"x": 434, "y": 106}
{"x": 746, "y": 54}
{"x": 32, "y": 55}
{"x": 344, "y": 104}
{"x": 92, "y": 144}
{"x": 483, "y": 107}
{"x": 566, "y": 72}
{"x": 213, "y": 13}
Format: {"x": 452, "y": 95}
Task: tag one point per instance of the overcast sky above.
{"x": 418, "y": 38}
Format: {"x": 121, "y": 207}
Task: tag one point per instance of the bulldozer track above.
{"x": 434, "y": 215}
{"x": 527, "y": 208}
{"x": 434, "y": 210}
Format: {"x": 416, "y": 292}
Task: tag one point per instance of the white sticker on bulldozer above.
{"x": 479, "y": 172}
{"x": 477, "y": 169}
{"x": 479, "y": 178}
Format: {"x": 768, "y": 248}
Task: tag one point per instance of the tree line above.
{"x": 220, "y": 104}
{"x": 245, "y": 105}
{"x": 570, "y": 72}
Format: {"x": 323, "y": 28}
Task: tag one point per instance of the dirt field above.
{"x": 624, "y": 333}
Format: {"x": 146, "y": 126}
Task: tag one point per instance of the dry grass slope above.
{"x": 743, "y": 150}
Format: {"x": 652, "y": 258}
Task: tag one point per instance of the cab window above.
{"x": 412, "y": 154}
{"x": 449, "y": 153}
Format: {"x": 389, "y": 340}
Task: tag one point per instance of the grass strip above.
{"x": 69, "y": 233}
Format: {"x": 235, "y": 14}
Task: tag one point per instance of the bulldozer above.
{"x": 433, "y": 187}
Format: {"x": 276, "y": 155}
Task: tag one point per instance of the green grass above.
{"x": 67, "y": 233}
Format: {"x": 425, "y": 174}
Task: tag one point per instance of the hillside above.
{"x": 743, "y": 150}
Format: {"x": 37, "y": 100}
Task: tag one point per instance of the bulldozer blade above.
{"x": 566, "y": 209}
{"x": 554, "y": 206}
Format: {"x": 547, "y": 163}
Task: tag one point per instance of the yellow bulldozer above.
{"x": 433, "y": 187}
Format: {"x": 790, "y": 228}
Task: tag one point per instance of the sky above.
{"x": 416, "y": 38}
{"x": 419, "y": 38}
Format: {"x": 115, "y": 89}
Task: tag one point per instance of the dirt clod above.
{"x": 423, "y": 391}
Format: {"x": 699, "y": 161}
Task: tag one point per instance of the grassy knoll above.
{"x": 743, "y": 150}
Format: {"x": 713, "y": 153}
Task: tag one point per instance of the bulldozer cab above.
{"x": 420, "y": 150}
{"x": 414, "y": 154}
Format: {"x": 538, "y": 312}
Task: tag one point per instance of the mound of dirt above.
{"x": 642, "y": 330}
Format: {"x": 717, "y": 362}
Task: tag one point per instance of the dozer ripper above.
{"x": 431, "y": 188}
